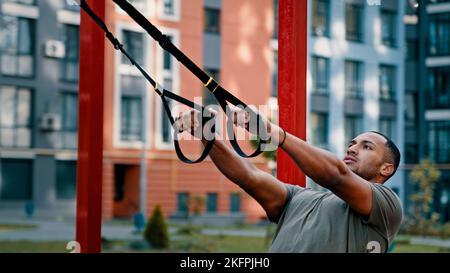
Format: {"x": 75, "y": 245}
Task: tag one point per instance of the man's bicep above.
{"x": 356, "y": 192}
{"x": 271, "y": 194}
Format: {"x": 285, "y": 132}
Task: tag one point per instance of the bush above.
{"x": 156, "y": 232}
{"x": 423, "y": 221}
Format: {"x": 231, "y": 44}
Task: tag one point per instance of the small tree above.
{"x": 156, "y": 232}
{"x": 424, "y": 176}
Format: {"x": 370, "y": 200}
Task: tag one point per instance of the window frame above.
{"x": 327, "y": 15}
{"x": 122, "y": 69}
{"x": 32, "y": 24}
{"x": 164, "y": 75}
{"x": 15, "y": 127}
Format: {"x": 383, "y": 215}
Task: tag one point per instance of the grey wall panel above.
{"x": 213, "y": 3}
{"x": 320, "y": 103}
{"x": 353, "y": 106}
{"x": 388, "y": 109}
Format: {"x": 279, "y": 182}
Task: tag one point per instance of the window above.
{"x": 439, "y": 141}
{"x": 183, "y": 203}
{"x": 16, "y": 179}
{"x": 235, "y": 202}
{"x": 387, "y": 82}
{"x": 17, "y": 36}
{"x": 386, "y": 127}
{"x": 25, "y": 2}
{"x": 69, "y": 64}
{"x": 69, "y": 120}
{"x": 15, "y": 117}
{"x": 275, "y": 19}
{"x": 412, "y": 50}
{"x": 411, "y": 153}
{"x": 352, "y": 127}
{"x": 166, "y": 126}
{"x": 388, "y": 28}
{"x": 131, "y": 120}
{"x": 321, "y": 18}
{"x": 320, "y": 74}
{"x": 211, "y": 202}
{"x": 169, "y": 8}
{"x": 134, "y": 43}
{"x": 66, "y": 179}
{"x": 132, "y": 86}
{"x": 439, "y": 34}
{"x": 319, "y": 129}
{"x": 411, "y": 109}
{"x": 275, "y": 75}
{"x": 212, "y": 20}
{"x": 353, "y": 79}
{"x": 168, "y": 81}
{"x": 208, "y": 97}
{"x": 439, "y": 87}
{"x": 354, "y": 22}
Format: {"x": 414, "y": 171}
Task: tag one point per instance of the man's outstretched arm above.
{"x": 267, "y": 190}
{"x": 327, "y": 170}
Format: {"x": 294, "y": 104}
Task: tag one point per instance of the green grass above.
{"x": 407, "y": 248}
{"x": 194, "y": 242}
{"x": 218, "y": 243}
{"x": 12, "y": 227}
{"x": 32, "y": 247}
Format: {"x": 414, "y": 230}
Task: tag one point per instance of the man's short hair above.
{"x": 393, "y": 152}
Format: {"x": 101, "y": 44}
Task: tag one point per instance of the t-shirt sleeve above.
{"x": 387, "y": 213}
{"x": 292, "y": 190}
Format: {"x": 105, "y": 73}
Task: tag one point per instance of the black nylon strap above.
{"x": 163, "y": 95}
{"x": 222, "y": 95}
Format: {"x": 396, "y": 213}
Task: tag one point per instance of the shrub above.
{"x": 156, "y": 232}
{"x": 423, "y": 220}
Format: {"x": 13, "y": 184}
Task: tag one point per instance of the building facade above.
{"x": 39, "y": 99}
{"x": 355, "y": 74}
{"x": 38, "y": 104}
{"x": 427, "y": 82}
{"x": 355, "y": 83}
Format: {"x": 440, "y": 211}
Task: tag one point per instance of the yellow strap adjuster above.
{"x": 209, "y": 82}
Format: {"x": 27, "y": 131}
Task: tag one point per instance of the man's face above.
{"x": 366, "y": 155}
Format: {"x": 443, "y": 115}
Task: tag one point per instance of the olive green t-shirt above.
{"x": 314, "y": 221}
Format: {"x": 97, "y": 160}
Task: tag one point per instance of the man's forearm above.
{"x": 268, "y": 191}
{"x": 320, "y": 165}
{"x": 234, "y": 167}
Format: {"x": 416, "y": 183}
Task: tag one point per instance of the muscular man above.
{"x": 357, "y": 213}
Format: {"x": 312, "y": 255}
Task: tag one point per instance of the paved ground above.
{"x": 48, "y": 229}
{"x": 64, "y": 230}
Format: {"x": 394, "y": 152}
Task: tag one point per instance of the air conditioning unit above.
{"x": 50, "y": 122}
{"x": 54, "y": 49}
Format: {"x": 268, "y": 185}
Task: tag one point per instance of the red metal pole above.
{"x": 90, "y": 131}
{"x": 292, "y": 63}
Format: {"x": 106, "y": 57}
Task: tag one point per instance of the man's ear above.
{"x": 387, "y": 169}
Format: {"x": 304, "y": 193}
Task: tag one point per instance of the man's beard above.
{"x": 365, "y": 174}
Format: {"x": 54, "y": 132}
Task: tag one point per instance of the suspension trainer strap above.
{"x": 222, "y": 95}
{"x": 164, "y": 94}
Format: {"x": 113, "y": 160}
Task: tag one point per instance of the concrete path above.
{"x": 64, "y": 230}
